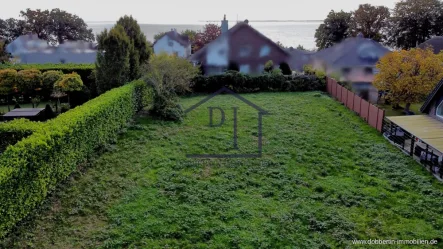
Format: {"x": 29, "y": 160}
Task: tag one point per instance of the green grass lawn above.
{"x": 325, "y": 178}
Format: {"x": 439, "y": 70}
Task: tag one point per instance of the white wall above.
{"x": 163, "y": 45}
{"x": 218, "y": 53}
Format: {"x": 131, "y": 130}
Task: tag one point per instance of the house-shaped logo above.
{"x": 261, "y": 113}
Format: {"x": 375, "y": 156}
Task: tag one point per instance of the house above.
{"x": 421, "y": 136}
{"x": 29, "y": 49}
{"x": 241, "y": 47}
{"x": 436, "y": 43}
{"x": 299, "y": 59}
{"x": 173, "y": 43}
{"x": 353, "y": 60}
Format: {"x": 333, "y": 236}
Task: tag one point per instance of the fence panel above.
{"x": 344, "y": 95}
{"x": 373, "y": 116}
{"x": 339, "y": 92}
{"x": 364, "y": 109}
{"x": 357, "y": 104}
{"x": 350, "y": 103}
{"x": 333, "y": 89}
{"x": 381, "y": 117}
{"x": 329, "y": 85}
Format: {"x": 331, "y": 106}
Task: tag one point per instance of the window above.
{"x": 346, "y": 70}
{"x": 265, "y": 51}
{"x": 244, "y": 68}
{"x": 170, "y": 43}
{"x": 439, "y": 111}
{"x": 260, "y": 68}
{"x": 245, "y": 51}
{"x": 368, "y": 70}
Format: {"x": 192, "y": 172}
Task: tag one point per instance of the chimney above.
{"x": 224, "y": 25}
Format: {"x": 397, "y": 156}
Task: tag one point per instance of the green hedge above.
{"x": 84, "y": 70}
{"x": 14, "y": 131}
{"x": 31, "y": 168}
{"x": 242, "y": 83}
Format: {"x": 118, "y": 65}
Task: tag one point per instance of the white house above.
{"x": 173, "y": 43}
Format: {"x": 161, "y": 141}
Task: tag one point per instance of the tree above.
{"x": 191, "y": 34}
{"x": 56, "y": 26}
{"x": 281, "y": 45}
{"x": 112, "y": 64}
{"x": 210, "y": 33}
{"x": 4, "y": 56}
{"x": 49, "y": 78}
{"x": 370, "y": 20}
{"x": 334, "y": 29}
{"x": 140, "y": 49}
{"x": 408, "y": 76}
{"x": 8, "y": 82}
{"x": 159, "y": 35}
{"x": 65, "y": 26}
{"x": 69, "y": 83}
{"x": 11, "y": 29}
{"x": 413, "y": 22}
{"x": 169, "y": 77}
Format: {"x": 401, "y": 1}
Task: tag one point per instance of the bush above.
{"x": 169, "y": 77}
{"x": 242, "y": 83}
{"x": 13, "y": 131}
{"x": 269, "y": 66}
{"x": 285, "y": 68}
{"x": 29, "y": 80}
{"x": 31, "y": 168}
{"x": 49, "y": 78}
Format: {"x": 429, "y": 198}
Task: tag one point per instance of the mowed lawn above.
{"x": 324, "y": 178}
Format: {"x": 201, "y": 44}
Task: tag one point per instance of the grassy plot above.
{"x": 325, "y": 178}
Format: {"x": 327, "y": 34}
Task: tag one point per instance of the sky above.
{"x": 191, "y": 11}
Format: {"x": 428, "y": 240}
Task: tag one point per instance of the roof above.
{"x": 431, "y": 96}
{"x": 426, "y": 128}
{"x": 353, "y": 52}
{"x": 173, "y": 35}
{"x": 232, "y": 31}
{"x": 24, "y": 112}
{"x": 436, "y": 43}
{"x": 299, "y": 58}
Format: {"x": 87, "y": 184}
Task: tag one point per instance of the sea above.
{"x": 289, "y": 33}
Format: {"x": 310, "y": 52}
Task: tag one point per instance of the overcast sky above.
{"x": 191, "y": 11}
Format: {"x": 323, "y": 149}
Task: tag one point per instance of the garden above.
{"x": 325, "y": 178}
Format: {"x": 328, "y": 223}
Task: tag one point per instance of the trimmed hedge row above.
{"x": 16, "y": 130}
{"x": 32, "y": 167}
{"x": 243, "y": 83}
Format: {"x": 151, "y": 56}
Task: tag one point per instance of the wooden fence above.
{"x": 371, "y": 114}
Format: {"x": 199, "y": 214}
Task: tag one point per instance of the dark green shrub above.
{"x": 32, "y": 167}
{"x": 233, "y": 66}
{"x": 269, "y": 66}
{"x": 13, "y": 131}
{"x": 285, "y": 68}
{"x": 242, "y": 83}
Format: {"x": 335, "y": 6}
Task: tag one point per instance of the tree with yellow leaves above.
{"x": 409, "y": 76}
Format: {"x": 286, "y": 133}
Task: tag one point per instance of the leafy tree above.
{"x": 192, "y": 35}
{"x": 29, "y": 81}
{"x": 49, "y": 78}
{"x": 11, "y": 29}
{"x": 280, "y": 44}
{"x": 370, "y": 20}
{"x": 112, "y": 64}
{"x": 408, "y": 76}
{"x": 159, "y": 35}
{"x": 413, "y": 22}
{"x": 334, "y": 29}
{"x": 69, "y": 83}
{"x": 210, "y": 33}
{"x": 300, "y": 47}
{"x": 269, "y": 66}
{"x": 169, "y": 76}
{"x": 56, "y": 26}
{"x": 140, "y": 49}
{"x": 65, "y": 26}
{"x": 8, "y": 82}
{"x": 285, "y": 68}
{"x": 4, "y": 56}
